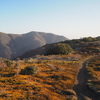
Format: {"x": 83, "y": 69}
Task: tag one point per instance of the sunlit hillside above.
{"x": 49, "y": 80}
{"x": 61, "y": 74}
{"x": 93, "y": 69}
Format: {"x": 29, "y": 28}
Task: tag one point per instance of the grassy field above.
{"x": 51, "y": 80}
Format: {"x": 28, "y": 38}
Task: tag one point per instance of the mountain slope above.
{"x": 13, "y": 45}
{"x": 80, "y": 46}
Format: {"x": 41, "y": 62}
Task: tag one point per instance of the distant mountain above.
{"x": 13, "y": 45}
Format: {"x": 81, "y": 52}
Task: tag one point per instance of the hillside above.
{"x": 72, "y": 76}
{"x": 83, "y": 46}
{"x": 33, "y": 79}
{"x": 13, "y": 45}
{"x": 53, "y": 77}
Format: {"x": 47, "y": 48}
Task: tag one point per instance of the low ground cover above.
{"x": 93, "y": 71}
{"x": 51, "y": 79}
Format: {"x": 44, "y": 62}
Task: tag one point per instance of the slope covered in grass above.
{"x": 51, "y": 81}
{"x": 93, "y": 70}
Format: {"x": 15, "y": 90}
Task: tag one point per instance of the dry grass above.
{"x": 93, "y": 69}
{"x": 51, "y": 81}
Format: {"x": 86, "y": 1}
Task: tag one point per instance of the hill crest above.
{"x": 13, "y": 45}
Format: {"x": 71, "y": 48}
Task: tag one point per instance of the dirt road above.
{"x": 80, "y": 84}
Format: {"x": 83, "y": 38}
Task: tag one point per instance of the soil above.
{"x": 80, "y": 84}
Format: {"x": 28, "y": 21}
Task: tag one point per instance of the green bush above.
{"x": 59, "y": 48}
{"x": 29, "y": 70}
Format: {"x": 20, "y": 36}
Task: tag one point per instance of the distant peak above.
{"x": 2, "y": 33}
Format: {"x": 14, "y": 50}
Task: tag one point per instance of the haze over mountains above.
{"x": 13, "y": 45}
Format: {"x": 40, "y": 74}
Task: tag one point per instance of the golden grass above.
{"x": 93, "y": 70}
{"x": 52, "y": 77}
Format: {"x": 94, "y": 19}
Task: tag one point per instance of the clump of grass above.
{"x": 93, "y": 72}
{"x": 3, "y": 93}
{"x": 97, "y": 68}
{"x": 74, "y": 98}
{"x": 29, "y": 70}
{"x": 9, "y": 62}
{"x": 69, "y": 92}
{"x": 9, "y": 75}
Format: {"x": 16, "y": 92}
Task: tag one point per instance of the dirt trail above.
{"x": 80, "y": 84}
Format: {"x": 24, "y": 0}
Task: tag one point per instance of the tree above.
{"x": 59, "y": 48}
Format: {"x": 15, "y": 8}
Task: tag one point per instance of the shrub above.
{"x": 29, "y": 70}
{"x": 59, "y": 48}
{"x": 9, "y": 62}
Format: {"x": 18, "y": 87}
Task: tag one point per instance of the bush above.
{"x": 9, "y": 62}
{"x": 59, "y": 48}
{"x": 29, "y": 70}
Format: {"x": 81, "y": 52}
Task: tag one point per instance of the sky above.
{"x": 73, "y": 19}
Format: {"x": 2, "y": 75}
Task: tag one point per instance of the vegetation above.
{"x": 86, "y": 45}
{"x": 8, "y": 62}
{"x": 83, "y": 40}
{"x": 59, "y": 48}
{"x": 93, "y": 71}
{"x": 28, "y": 70}
{"x": 54, "y": 79}
{"x": 51, "y": 77}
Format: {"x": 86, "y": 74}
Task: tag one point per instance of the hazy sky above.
{"x": 70, "y": 18}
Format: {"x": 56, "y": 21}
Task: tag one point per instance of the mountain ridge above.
{"x": 13, "y": 45}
